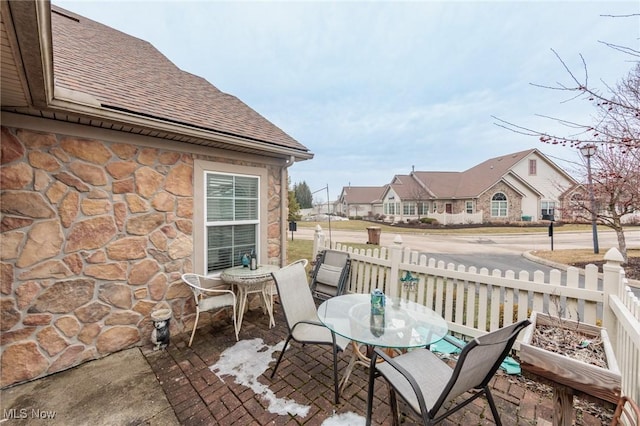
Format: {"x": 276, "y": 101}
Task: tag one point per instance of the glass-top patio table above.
{"x": 403, "y": 325}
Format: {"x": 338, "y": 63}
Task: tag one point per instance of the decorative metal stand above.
{"x": 409, "y": 282}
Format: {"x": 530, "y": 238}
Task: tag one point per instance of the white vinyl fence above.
{"x": 463, "y": 218}
{"x": 474, "y": 302}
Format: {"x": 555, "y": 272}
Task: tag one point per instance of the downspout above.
{"x": 284, "y": 206}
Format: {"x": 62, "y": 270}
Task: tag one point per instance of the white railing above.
{"x": 474, "y": 302}
{"x": 622, "y": 319}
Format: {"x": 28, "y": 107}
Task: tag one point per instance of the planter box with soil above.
{"x": 578, "y": 371}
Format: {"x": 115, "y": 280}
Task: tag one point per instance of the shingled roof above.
{"x": 362, "y": 194}
{"x": 125, "y": 73}
{"x": 408, "y": 188}
{"x": 474, "y": 181}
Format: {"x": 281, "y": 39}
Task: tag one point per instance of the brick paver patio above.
{"x": 198, "y": 396}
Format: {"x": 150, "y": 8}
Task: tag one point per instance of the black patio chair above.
{"x": 330, "y": 274}
{"x": 426, "y": 383}
{"x": 301, "y": 316}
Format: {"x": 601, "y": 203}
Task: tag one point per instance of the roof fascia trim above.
{"x": 50, "y": 125}
{"x": 36, "y": 53}
{"x": 85, "y": 105}
{"x": 503, "y": 180}
{"x": 524, "y": 182}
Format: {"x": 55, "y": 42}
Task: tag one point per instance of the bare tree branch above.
{"x": 614, "y": 129}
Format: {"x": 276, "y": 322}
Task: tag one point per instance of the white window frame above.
{"x": 469, "y": 207}
{"x": 546, "y": 206}
{"x": 233, "y": 222}
{"x": 409, "y": 209}
{"x": 499, "y": 208}
{"x": 201, "y": 169}
{"x": 392, "y": 208}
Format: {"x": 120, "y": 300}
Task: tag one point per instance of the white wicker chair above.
{"x": 214, "y": 296}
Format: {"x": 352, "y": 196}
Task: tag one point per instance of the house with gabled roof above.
{"x": 119, "y": 172}
{"x": 360, "y": 201}
{"x": 523, "y": 186}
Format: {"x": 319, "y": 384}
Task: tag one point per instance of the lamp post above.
{"x": 588, "y": 151}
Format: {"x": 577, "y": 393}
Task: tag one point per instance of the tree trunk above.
{"x": 622, "y": 244}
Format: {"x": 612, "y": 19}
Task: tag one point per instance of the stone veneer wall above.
{"x": 514, "y": 204}
{"x": 95, "y": 236}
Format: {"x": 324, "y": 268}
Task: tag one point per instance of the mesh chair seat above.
{"x": 317, "y": 332}
{"x": 330, "y": 274}
{"x": 301, "y": 316}
{"x": 431, "y": 377}
{"x": 427, "y": 383}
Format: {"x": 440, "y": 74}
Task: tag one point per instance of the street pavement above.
{"x": 491, "y": 251}
{"x": 480, "y": 243}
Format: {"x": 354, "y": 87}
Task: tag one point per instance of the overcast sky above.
{"x": 374, "y": 88}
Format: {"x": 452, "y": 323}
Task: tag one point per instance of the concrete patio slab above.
{"x": 120, "y": 389}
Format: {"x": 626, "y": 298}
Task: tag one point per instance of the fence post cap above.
{"x": 613, "y": 255}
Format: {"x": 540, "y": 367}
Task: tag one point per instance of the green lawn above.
{"x": 302, "y": 249}
{"x": 361, "y": 225}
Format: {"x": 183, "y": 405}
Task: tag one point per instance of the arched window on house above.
{"x": 499, "y": 205}
{"x": 576, "y": 208}
{"x": 577, "y": 201}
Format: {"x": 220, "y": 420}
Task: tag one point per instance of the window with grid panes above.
{"x": 469, "y": 207}
{"x": 232, "y": 218}
{"x": 499, "y": 205}
{"x": 548, "y": 208}
{"x": 409, "y": 208}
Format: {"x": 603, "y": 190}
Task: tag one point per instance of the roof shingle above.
{"x": 128, "y": 74}
{"x": 471, "y": 182}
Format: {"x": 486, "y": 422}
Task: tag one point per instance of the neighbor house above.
{"x": 360, "y": 201}
{"x": 523, "y": 186}
{"x": 119, "y": 173}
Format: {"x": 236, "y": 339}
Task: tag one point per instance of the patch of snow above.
{"x": 249, "y": 359}
{"x": 246, "y": 361}
{"x": 345, "y": 419}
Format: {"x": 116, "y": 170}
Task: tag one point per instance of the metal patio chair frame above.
{"x": 207, "y": 299}
{"x": 301, "y": 316}
{"x": 330, "y": 274}
{"x": 627, "y": 412}
{"x": 427, "y": 383}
